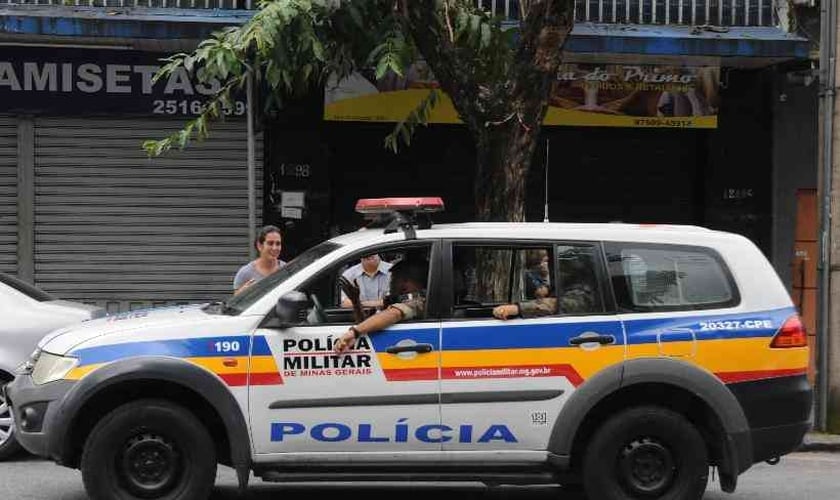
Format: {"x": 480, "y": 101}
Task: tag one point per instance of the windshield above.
{"x": 250, "y": 295}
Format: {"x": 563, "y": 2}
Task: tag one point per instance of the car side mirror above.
{"x": 289, "y": 306}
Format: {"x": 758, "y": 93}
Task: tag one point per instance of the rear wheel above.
{"x": 149, "y": 449}
{"x": 8, "y": 442}
{"x": 646, "y": 453}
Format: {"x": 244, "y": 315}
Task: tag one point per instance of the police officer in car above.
{"x": 577, "y": 296}
{"x": 407, "y": 301}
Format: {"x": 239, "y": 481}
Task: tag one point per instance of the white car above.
{"x": 666, "y": 350}
{"x": 27, "y": 315}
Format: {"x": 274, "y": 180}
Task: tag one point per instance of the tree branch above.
{"x": 543, "y": 34}
{"x": 421, "y": 19}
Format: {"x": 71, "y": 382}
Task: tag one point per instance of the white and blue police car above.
{"x": 668, "y": 350}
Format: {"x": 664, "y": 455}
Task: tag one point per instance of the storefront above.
{"x": 94, "y": 218}
{"x": 619, "y": 158}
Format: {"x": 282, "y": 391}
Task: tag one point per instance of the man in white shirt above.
{"x": 373, "y": 277}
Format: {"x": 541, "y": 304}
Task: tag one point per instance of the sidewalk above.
{"x": 817, "y": 441}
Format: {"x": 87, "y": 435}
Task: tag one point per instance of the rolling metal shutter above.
{"x": 8, "y": 195}
{"x": 116, "y": 228}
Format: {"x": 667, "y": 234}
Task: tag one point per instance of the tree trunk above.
{"x": 503, "y": 154}
{"x": 504, "y": 117}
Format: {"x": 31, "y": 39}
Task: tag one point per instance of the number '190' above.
{"x": 227, "y": 346}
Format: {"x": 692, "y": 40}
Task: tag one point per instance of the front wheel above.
{"x": 646, "y": 453}
{"x": 149, "y": 449}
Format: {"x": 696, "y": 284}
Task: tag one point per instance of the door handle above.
{"x": 421, "y": 348}
{"x": 585, "y": 339}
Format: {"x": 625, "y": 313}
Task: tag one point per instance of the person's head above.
{"x": 409, "y": 276}
{"x": 370, "y": 263}
{"x": 537, "y": 258}
{"x": 269, "y": 242}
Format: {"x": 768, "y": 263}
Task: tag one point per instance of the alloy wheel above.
{"x": 7, "y": 424}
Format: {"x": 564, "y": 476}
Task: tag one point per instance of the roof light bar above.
{"x": 421, "y": 204}
{"x": 401, "y": 213}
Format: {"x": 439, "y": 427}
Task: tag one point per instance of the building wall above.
{"x": 737, "y": 182}
{"x": 795, "y": 142}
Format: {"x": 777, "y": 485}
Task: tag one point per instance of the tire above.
{"x": 646, "y": 453}
{"x": 149, "y": 449}
{"x": 9, "y": 445}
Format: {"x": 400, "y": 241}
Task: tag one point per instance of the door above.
{"x": 503, "y": 382}
{"x": 125, "y": 231}
{"x": 367, "y": 400}
{"x": 804, "y": 269}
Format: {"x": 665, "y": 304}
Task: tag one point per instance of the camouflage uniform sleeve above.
{"x": 412, "y": 309}
{"x": 578, "y": 300}
{"x": 544, "y": 306}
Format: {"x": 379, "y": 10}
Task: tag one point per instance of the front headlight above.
{"x": 51, "y": 367}
{"x": 27, "y": 366}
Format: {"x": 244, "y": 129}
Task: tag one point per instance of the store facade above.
{"x": 86, "y": 214}
{"x": 627, "y": 161}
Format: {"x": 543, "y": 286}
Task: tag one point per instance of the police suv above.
{"x": 671, "y": 350}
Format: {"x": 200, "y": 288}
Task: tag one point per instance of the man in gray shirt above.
{"x": 373, "y": 277}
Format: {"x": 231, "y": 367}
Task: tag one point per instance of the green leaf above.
{"x": 307, "y": 72}
{"x": 486, "y": 36}
{"x": 475, "y": 25}
{"x": 404, "y": 130}
{"x": 288, "y": 79}
{"x": 406, "y": 135}
{"x": 462, "y": 22}
{"x": 318, "y": 49}
{"x": 382, "y": 68}
{"x": 220, "y": 66}
{"x": 272, "y": 75}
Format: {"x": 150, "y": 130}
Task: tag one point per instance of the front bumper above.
{"x": 35, "y": 409}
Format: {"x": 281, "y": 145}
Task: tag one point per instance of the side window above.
{"x": 370, "y": 273}
{"x": 485, "y": 276}
{"x": 669, "y": 277}
{"x": 577, "y": 285}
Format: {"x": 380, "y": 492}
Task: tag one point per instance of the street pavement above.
{"x": 804, "y": 476}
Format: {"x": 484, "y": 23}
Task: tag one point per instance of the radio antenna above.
{"x": 545, "y": 215}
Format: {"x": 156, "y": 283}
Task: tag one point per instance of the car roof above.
{"x": 654, "y": 233}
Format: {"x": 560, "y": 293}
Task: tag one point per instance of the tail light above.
{"x": 791, "y": 334}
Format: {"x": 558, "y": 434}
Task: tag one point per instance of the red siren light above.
{"x": 419, "y": 204}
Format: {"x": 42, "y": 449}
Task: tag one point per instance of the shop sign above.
{"x": 582, "y": 95}
{"x": 90, "y": 82}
